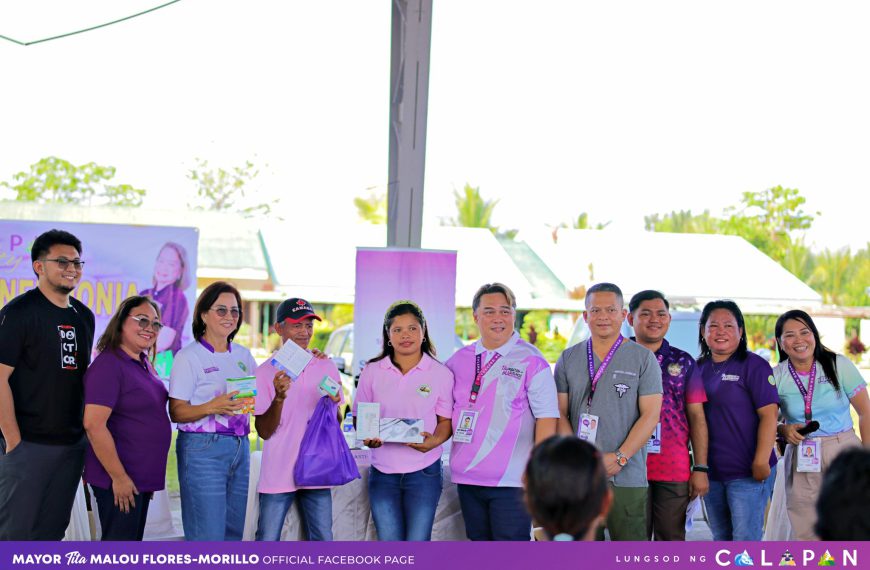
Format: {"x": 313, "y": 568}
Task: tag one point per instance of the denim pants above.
{"x": 736, "y": 508}
{"x": 315, "y": 506}
{"x": 213, "y": 473}
{"x": 494, "y": 513}
{"x": 403, "y": 504}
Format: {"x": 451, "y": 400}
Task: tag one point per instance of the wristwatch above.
{"x": 699, "y": 468}
{"x": 621, "y": 459}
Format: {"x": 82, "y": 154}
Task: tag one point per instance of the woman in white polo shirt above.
{"x": 407, "y": 382}
{"x": 212, "y": 445}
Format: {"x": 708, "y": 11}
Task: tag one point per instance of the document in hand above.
{"x": 247, "y": 387}
{"x": 401, "y": 430}
{"x": 291, "y": 359}
{"x": 368, "y": 415}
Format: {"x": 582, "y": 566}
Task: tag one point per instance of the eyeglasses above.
{"x": 63, "y": 263}
{"x": 222, "y": 311}
{"x": 145, "y": 322}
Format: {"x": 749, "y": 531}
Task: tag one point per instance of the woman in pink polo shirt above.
{"x": 407, "y": 382}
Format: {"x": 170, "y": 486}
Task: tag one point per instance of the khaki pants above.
{"x": 627, "y": 518}
{"x": 802, "y": 489}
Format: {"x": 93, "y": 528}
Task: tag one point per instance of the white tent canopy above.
{"x": 328, "y": 274}
{"x": 690, "y": 269}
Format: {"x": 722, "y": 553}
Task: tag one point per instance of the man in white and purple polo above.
{"x": 505, "y": 402}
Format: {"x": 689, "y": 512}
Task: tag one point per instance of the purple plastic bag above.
{"x": 324, "y": 457}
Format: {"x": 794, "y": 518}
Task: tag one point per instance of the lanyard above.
{"x": 807, "y": 392}
{"x": 596, "y": 376}
{"x": 479, "y": 373}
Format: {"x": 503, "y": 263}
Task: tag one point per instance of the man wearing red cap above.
{"x": 283, "y": 408}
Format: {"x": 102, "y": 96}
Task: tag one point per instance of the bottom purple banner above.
{"x": 433, "y": 555}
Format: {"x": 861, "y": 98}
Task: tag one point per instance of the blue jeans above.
{"x": 736, "y": 508}
{"x": 213, "y": 475}
{"x": 494, "y": 513}
{"x": 315, "y": 506}
{"x": 403, "y": 504}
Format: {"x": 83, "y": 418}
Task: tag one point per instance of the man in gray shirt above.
{"x": 610, "y": 394}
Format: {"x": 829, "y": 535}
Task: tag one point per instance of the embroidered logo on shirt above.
{"x": 675, "y": 369}
{"x": 242, "y": 366}
{"x": 621, "y": 389}
{"x": 512, "y": 372}
{"x": 730, "y": 377}
{"x": 424, "y": 390}
{"x": 68, "y": 347}
{"x": 771, "y": 381}
{"x": 210, "y": 369}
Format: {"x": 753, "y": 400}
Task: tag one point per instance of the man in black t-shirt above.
{"x": 45, "y": 346}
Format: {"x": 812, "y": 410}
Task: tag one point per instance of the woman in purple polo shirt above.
{"x": 126, "y": 421}
{"x": 741, "y": 411}
{"x": 407, "y": 382}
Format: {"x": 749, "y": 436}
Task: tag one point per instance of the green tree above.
{"x": 683, "y": 222}
{"x": 832, "y": 275}
{"x": 768, "y": 219}
{"x": 799, "y": 260}
{"x": 582, "y": 223}
{"x": 54, "y": 179}
{"x": 225, "y": 190}
{"x": 472, "y": 211}
{"x": 372, "y": 208}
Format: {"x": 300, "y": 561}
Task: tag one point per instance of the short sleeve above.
{"x": 13, "y": 335}
{"x": 760, "y": 381}
{"x": 561, "y": 376}
{"x": 650, "y": 380}
{"x": 364, "y": 392}
{"x": 265, "y": 374}
{"x": 179, "y": 312}
{"x": 333, "y": 373}
{"x": 103, "y": 381}
{"x": 444, "y": 404}
{"x": 850, "y": 377}
{"x": 182, "y": 380}
{"x": 543, "y": 400}
{"x": 695, "y": 392}
{"x": 250, "y": 362}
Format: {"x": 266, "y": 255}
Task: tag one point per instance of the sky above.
{"x": 618, "y": 109}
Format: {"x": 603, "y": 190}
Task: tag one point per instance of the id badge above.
{"x": 464, "y": 432}
{"x": 654, "y": 445}
{"x": 809, "y": 458}
{"x": 588, "y": 428}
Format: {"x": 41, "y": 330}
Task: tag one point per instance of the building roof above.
{"x": 229, "y": 245}
{"x": 690, "y": 269}
{"x": 325, "y": 272}
{"x": 316, "y": 259}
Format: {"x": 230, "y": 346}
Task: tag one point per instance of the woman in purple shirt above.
{"x": 741, "y": 413}
{"x": 171, "y": 279}
{"x": 126, "y": 421}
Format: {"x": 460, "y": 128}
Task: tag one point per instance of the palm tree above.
{"x": 373, "y": 208}
{"x": 472, "y": 211}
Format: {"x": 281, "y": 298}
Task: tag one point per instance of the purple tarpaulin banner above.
{"x": 434, "y": 555}
{"x": 384, "y": 276}
{"x": 120, "y": 261}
